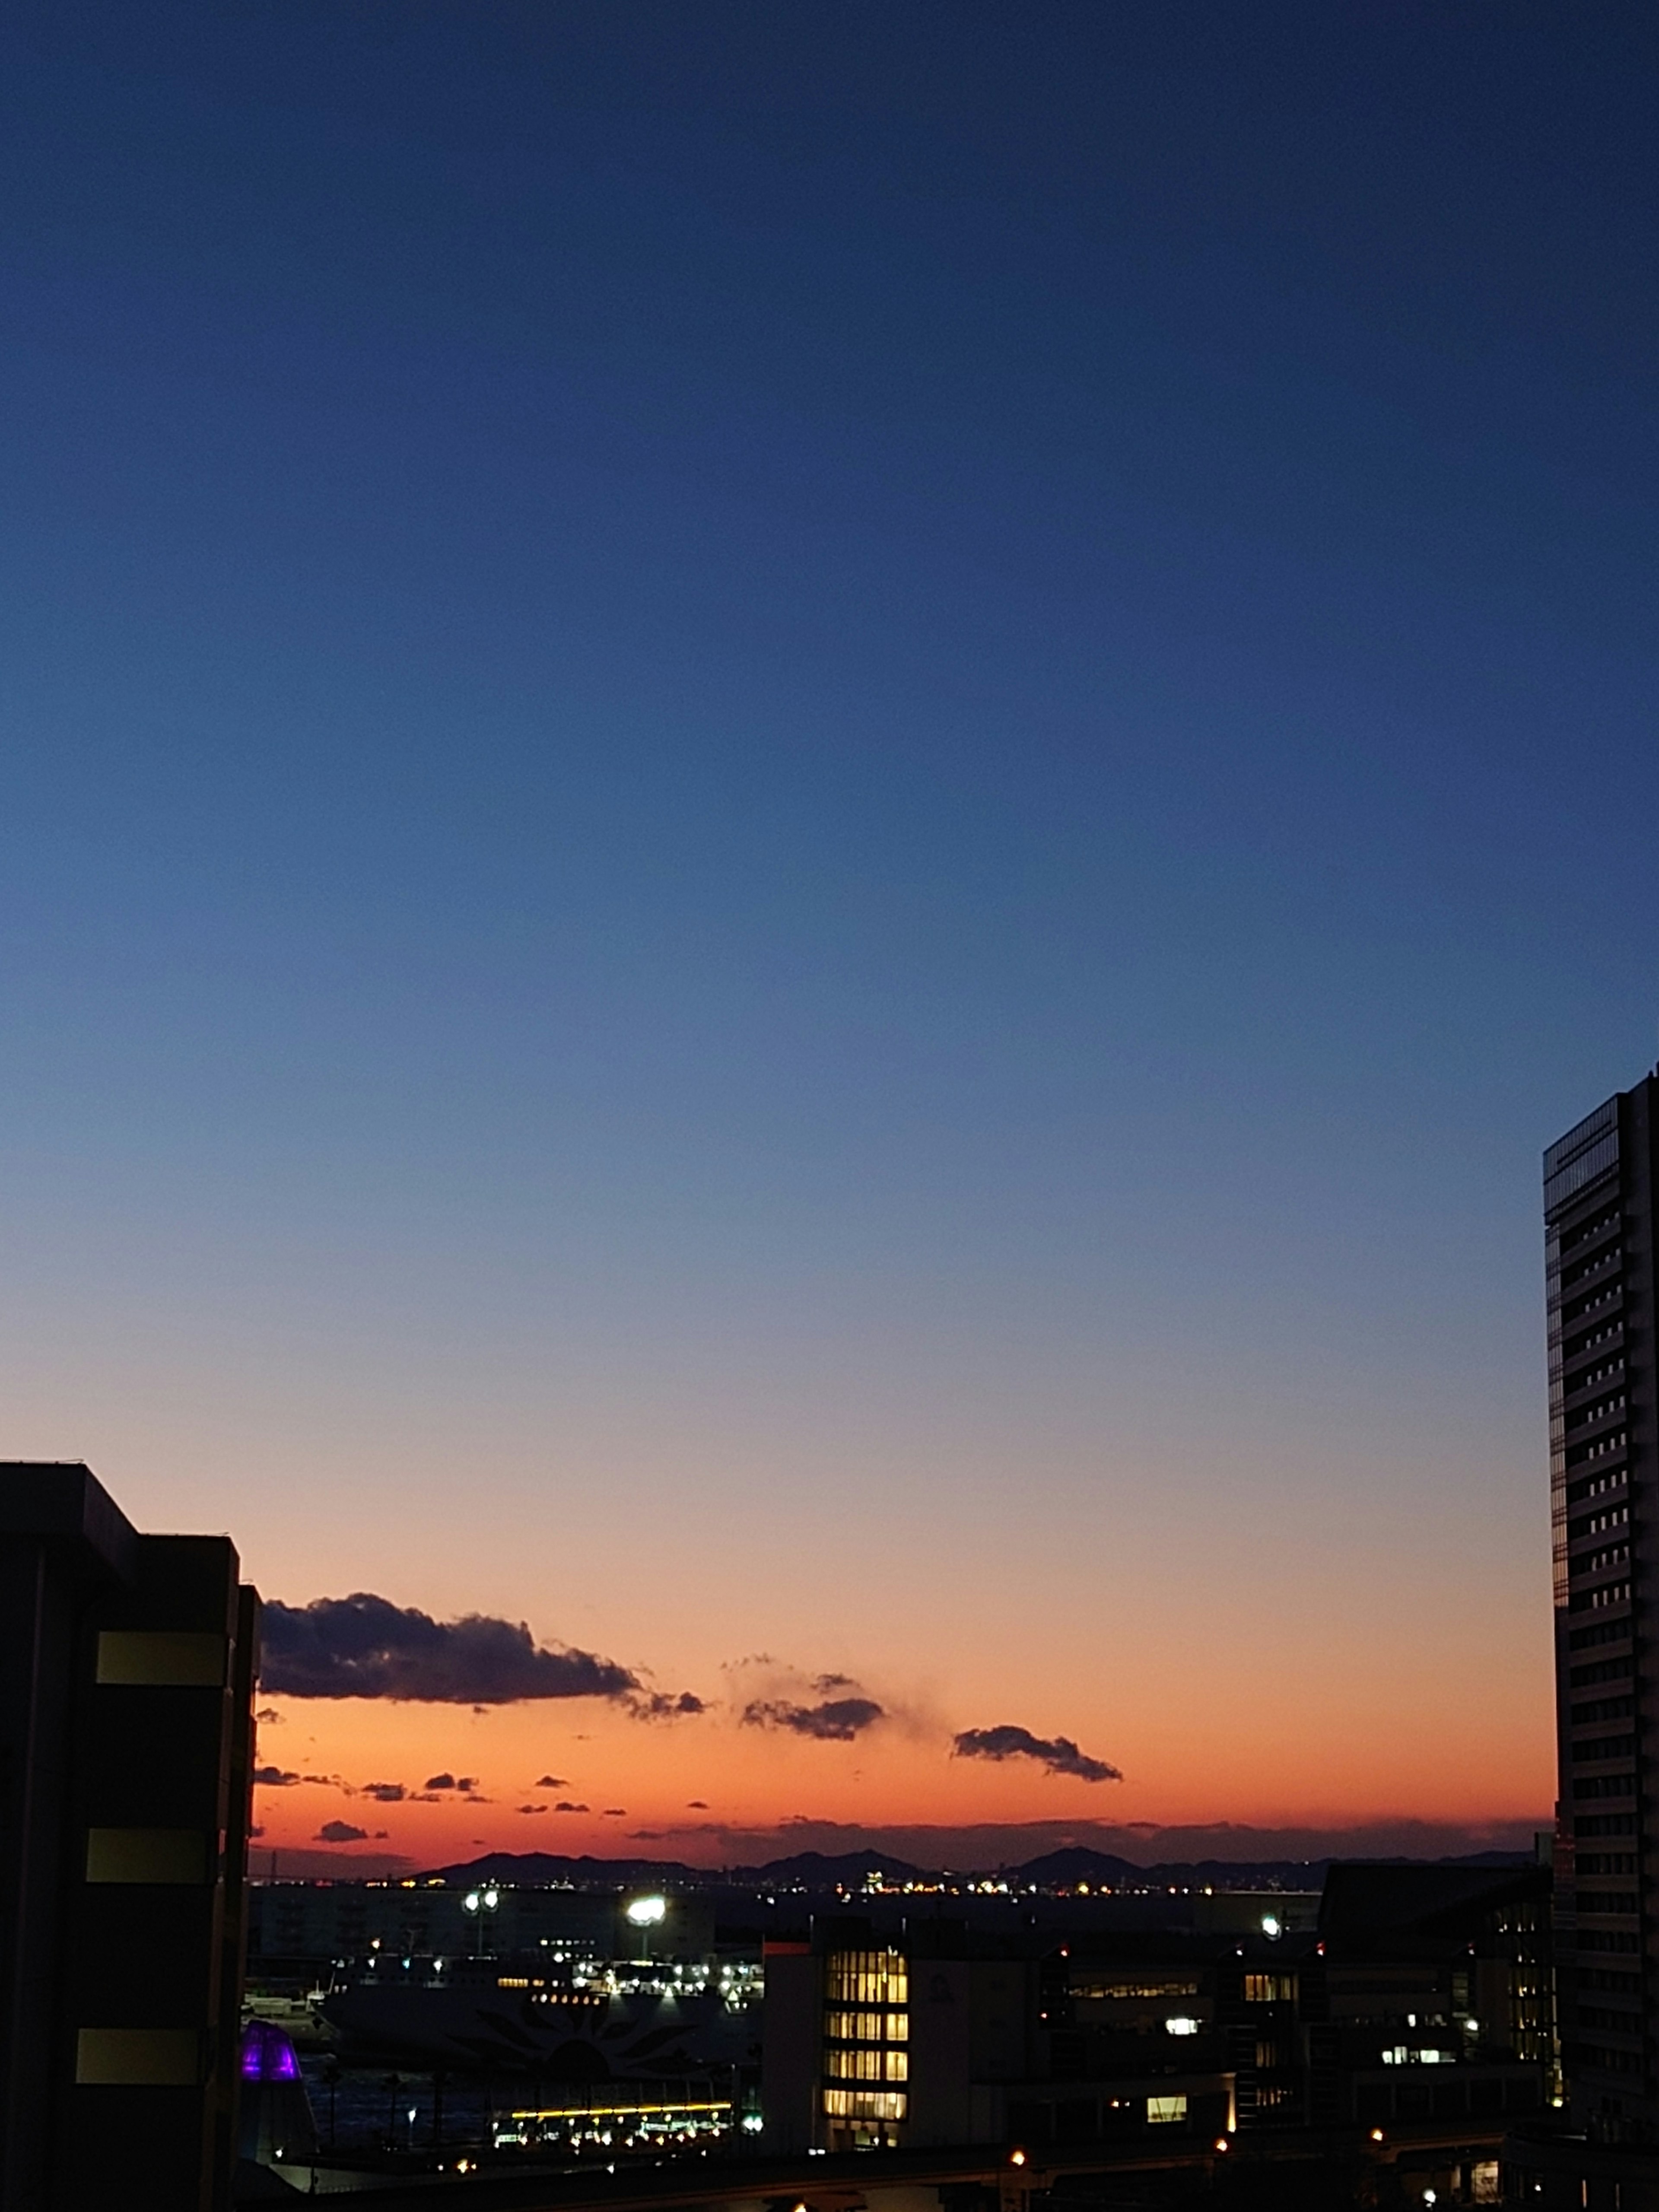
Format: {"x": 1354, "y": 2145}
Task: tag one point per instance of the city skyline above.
{"x": 786, "y": 797}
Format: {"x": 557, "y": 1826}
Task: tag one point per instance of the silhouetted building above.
{"x": 1600, "y": 1227}
{"x": 127, "y": 1673}
{"x": 1428, "y": 1995}
{"x": 947, "y": 2035}
{"x": 1422, "y": 2001}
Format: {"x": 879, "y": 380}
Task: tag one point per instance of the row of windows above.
{"x": 1573, "y": 1383}
{"x": 1596, "y": 1485}
{"x": 1599, "y": 1631}
{"x": 1604, "y": 1785}
{"x": 1603, "y": 1708}
{"x": 1589, "y": 1265}
{"x": 863, "y": 2065}
{"x": 1621, "y": 2023}
{"x": 1606, "y": 1901}
{"x": 1607, "y": 1978}
{"x": 866, "y": 2025}
{"x": 1583, "y": 1416}
{"x": 1605, "y": 2061}
{"x": 1581, "y": 1345}
{"x": 1602, "y": 1448}
{"x": 864, "y": 2104}
{"x": 1602, "y": 1671}
{"x": 1585, "y": 1307}
{"x": 1605, "y": 1824}
{"x": 1606, "y": 1594}
{"x": 1592, "y": 1563}
{"x": 1269, "y": 1988}
{"x": 1608, "y": 1939}
{"x": 1609, "y": 1517}
{"x": 1607, "y": 1862}
{"x": 870, "y": 1977}
{"x": 1576, "y": 1239}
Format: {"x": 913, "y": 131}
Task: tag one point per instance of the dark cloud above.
{"x": 551, "y": 1782}
{"x": 384, "y": 1793}
{"x": 449, "y": 1782}
{"x": 827, "y": 1685}
{"x": 530, "y": 1808}
{"x": 340, "y": 1831}
{"x": 564, "y": 1805}
{"x": 659, "y": 1705}
{"x": 838, "y": 1720}
{"x": 696, "y": 1805}
{"x": 614, "y": 1813}
{"x": 267, "y": 1717}
{"x": 1057, "y": 1753}
{"x": 364, "y": 1646}
{"x": 274, "y": 1778}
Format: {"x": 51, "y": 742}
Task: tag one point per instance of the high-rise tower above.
{"x": 1601, "y": 1182}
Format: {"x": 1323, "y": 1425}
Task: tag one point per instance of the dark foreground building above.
{"x": 1422, "y": 2002}
{"x": 127, "y": 1665}
{"x": 1598, "y": 1219}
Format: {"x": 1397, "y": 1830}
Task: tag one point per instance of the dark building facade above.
{"x": 127, "y": 1665}
{"x": 1599, "y": 1220}
{"x": 1423, "y": 1999}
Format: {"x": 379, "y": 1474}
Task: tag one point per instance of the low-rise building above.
{"x": 1423, "y": 1995}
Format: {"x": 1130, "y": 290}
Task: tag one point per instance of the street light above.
{"x": 645, "y": 1913}
{"x": 477, "y": 1902}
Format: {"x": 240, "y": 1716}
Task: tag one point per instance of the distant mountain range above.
{"x": 846, "y": 1871}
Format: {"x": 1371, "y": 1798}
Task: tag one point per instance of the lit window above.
{"x": 1269, "y": 1988}
{"x": 866, "y": 1977}
{"x": 864, "y": 2104}
{"x": 1162, "y": 2110}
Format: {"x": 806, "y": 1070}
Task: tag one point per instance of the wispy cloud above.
{"x": 837, "y": 1719}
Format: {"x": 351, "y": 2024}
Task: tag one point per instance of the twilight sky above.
{"x": 808, "y": 811}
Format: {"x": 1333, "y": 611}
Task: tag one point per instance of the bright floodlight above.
{"x": 492, "y": 1897}
{"x": 1269, "y": 1925}
{"x": 469, "y": 1902}
{"x": 647, "y": 1911}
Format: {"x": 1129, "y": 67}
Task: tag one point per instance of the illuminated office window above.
{"x": 867, "y": 2065}
{"x": 866, "y": 1977}
{"x": 1269, "y": 1988}
{"x": 864, "y": 2104}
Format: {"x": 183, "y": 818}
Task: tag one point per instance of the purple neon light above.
{"x": 267, "y": 2054}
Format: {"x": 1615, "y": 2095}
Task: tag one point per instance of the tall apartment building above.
{"x": 1599, "y": 1228}
{"x": 127, "y": 1665}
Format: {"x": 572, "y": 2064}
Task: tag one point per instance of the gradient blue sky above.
{"x": 807, "y": 812}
